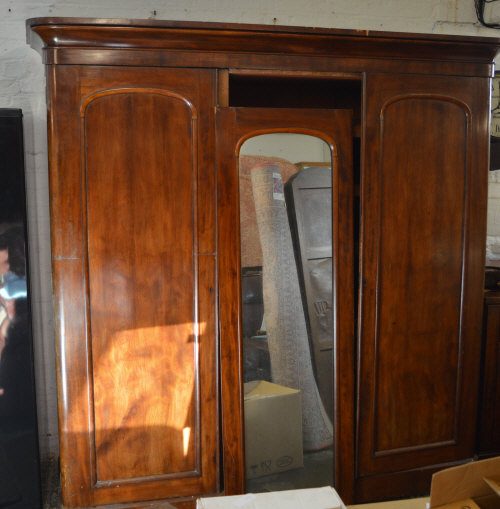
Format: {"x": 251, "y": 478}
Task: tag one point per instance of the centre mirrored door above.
{"x": 286, "y": 295}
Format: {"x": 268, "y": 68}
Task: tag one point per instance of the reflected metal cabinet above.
{"x": 145, "y": 249}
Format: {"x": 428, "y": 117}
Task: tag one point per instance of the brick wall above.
{"x": 22, "y": 86}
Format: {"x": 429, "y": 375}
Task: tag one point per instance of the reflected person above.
{"x": 12, "y": 279}
{"x": 16, "y": 395}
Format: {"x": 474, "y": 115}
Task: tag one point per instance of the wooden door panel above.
{"x": 146, "y": 374}
{"x": 424, "y": 182}
{"x": 419, "y": 272}
{"x": 140, "y": 203}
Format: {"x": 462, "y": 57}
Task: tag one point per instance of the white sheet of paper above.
{"x": 312, "y": 498}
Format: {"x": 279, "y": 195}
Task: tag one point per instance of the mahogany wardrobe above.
{"x": 146, "y": 126}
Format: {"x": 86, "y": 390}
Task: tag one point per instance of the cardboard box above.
{"x": 313, "y": 498}
{"x": 273, "y": 429}
{"x": 474, "y": 485}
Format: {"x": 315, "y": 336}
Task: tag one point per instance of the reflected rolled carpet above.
{"x": 289, "y": 350}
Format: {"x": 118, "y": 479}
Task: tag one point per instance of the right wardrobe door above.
{"x": 422, "y": 260}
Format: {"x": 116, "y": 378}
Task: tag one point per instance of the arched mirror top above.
{"x": 286, "y": 140}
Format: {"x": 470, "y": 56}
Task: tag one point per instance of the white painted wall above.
{"x": 22, "y": 86}
{"x": 493, "y": 235}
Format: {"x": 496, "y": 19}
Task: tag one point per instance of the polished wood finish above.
{"x": 488, "y": 435}
{"x": 61, "y": 33}
{"x": 66, "y": 41}
{"x": 145, "y": 246}
{"x": 422, "y": 262}
{"x": 138, "y": 343}
{"x": 137, "y": 351}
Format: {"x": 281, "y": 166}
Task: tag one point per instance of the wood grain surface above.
{"x": 130, "y": 217}
{"x": 422, "y": 185}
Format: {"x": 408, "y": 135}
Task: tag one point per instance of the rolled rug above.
{"x": 251, "y": 253}
{"x": 289, "y": 349}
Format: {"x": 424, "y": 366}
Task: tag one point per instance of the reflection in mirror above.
{"x": 286, "y": 281}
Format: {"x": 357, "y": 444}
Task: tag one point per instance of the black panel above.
{"x": 295, "y": 92}
{"x": 19, "y": 461}
{"x": 494, "y": 154}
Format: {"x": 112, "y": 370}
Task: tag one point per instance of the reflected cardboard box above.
{"x": 273, "y": 429}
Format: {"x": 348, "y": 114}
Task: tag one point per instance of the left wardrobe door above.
{"x": 133, "y": 208}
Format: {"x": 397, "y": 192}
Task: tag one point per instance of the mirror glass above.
{"x": 285, "y": 184}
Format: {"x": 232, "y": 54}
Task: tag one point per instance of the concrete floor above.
{"x": 51, "y": 486}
